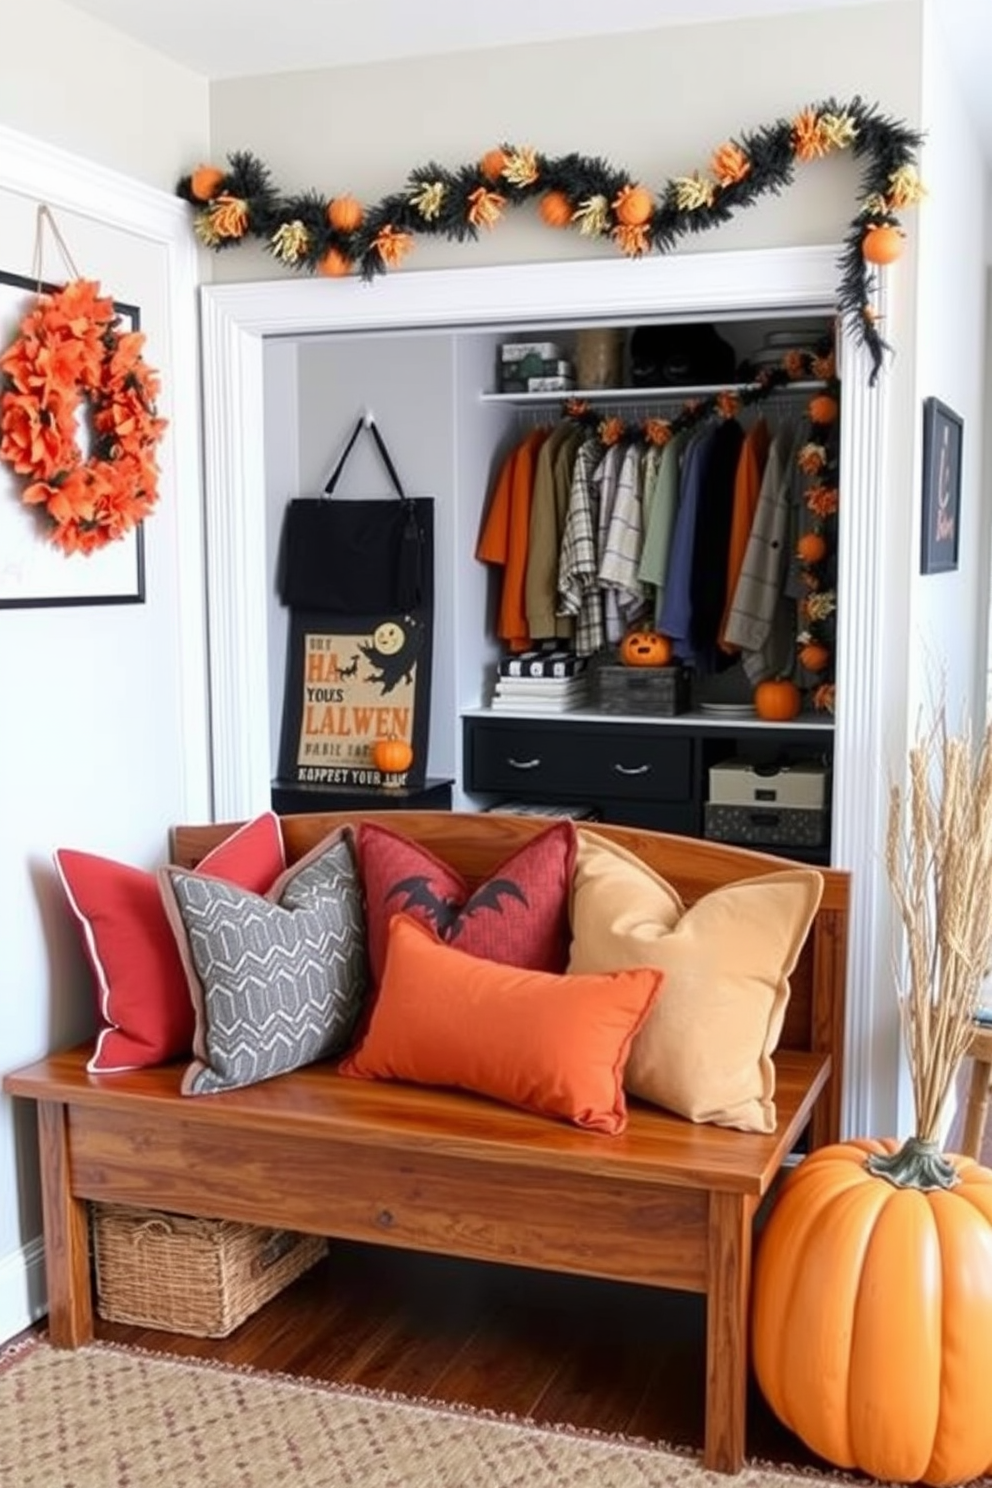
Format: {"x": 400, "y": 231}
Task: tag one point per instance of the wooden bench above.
{"x": 667, "y": 1204}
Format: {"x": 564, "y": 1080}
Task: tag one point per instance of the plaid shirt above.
{"x": 620, "y": 553}
{"x": 578, "y": 585}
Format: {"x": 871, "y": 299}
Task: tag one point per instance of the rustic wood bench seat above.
{"x": 667, "y": 1203}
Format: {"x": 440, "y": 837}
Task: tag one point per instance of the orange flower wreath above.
{"x": 69, "y": 356}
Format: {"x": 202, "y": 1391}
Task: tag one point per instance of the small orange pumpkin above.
{"x": 882, "y": 244}
{"x": 205, "y": 182}
{"x": 555, "y": 209}
{"x": 823, "y": 409}
{"x": 334, "y": 264}
{"x": 814, "y": 657}
{"x": 811, "y": 547}
{"x": 493, "y": 164}
{"x": 645, "y": 648}
{"x": 777, "y": 700}
{"x": 633, "y": 205}
{"x": 392, "y": 756}
{"x": 345, "y": 213}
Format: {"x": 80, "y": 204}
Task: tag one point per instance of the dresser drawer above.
{"x": 577, "y": 759}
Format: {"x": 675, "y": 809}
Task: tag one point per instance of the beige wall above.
{"x": 656, "y": 103}
{"x": 79, "y": 84}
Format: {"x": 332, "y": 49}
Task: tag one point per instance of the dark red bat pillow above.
{"x": 519, "y": 916}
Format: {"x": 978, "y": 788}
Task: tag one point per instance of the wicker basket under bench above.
{"x": 198, "y": 1276}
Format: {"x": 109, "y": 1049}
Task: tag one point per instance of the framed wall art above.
{"x": 33, "y": 572}
{"x": 943, "y": 432}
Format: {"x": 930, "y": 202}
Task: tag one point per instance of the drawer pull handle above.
{"x": 530, "y": 764}
{"x": 632, "y": 769}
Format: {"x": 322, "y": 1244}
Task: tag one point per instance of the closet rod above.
{"x": 784, "y": 401}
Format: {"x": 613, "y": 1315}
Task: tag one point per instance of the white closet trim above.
{"x": 238, "y": 318}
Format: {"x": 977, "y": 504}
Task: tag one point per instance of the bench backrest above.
{"x": 476, "y": 843}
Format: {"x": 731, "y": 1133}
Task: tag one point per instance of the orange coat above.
{"x": 505, "y": 534}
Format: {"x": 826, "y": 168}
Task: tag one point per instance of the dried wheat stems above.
{"x": 938, "y": 854}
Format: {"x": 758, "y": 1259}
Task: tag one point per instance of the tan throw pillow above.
{"x": 705, "y": 1049}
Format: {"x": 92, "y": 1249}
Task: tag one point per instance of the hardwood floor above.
{"x": 596, "y": 1355}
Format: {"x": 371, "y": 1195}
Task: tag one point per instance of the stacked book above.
{"x": 541, "y": 682}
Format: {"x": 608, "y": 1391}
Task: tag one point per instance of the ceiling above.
{"x": 243, "y": 38}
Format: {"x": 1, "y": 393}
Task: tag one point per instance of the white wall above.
{"x": 656, "y": 103}
{"x": 104, "y": 738}
{"x": 946, "y": 614}
{"x": 78, "y": 83}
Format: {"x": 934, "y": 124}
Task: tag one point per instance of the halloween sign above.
{"x": 350, "y": 687}
{"x": 358, "y": 578}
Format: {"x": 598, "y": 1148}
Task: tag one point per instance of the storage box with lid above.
{"x": 658, "y": 691}
{"x": 800, "y": 784}
{"x": 765, "y": 826}
{"x": 203, "y": 1277}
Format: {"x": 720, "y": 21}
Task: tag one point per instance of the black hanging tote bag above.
{"x": 358, "y": 579}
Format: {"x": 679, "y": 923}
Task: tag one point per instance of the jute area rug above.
{"x": 106, "y": 1416}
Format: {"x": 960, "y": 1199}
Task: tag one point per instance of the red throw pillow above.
{"x": 143, "y": 994}
{"x": 552, "y": 1044}
{"x": 518, "y": 916}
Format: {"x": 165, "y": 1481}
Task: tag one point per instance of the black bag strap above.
{"x": 410, "y": 559}
{"x": 366, "y": 421}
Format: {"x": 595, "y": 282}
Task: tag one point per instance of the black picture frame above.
{"x": 33, "y": 573}
{"x": 943, "y": 438}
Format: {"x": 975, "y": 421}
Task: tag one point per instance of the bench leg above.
{"x": 728, "y": 1291}
{"x": 67, "y": 1251}
{"x": 977, "y": 1108}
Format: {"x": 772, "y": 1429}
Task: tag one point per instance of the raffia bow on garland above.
{"x": 315, "y": 233}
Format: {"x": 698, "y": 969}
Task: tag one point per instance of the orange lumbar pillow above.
{"x": 549, "y": 1043}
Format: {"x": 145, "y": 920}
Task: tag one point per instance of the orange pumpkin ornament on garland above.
{"x": 69, "y": 355}
{"x": 345, "y": 213}
{"x": 555, "y": 209}
{"x": 882, "y": 244}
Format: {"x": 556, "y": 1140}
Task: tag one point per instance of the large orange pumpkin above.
{"x": 645, "y": 648}
{"x": 872, "y": 1312}
{"x": 777, "y": 700}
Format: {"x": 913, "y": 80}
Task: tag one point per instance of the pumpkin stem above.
{"x": 917, "y": 1164}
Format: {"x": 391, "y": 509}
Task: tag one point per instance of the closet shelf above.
{"x": 644, "y": 394}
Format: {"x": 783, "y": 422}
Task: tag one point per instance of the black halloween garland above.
{"x": 338, "y": 235}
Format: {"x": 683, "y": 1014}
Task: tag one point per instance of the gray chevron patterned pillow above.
{"x": 277, "y": 981}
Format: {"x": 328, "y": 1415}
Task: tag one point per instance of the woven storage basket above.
{"x": 196, "y": 1276}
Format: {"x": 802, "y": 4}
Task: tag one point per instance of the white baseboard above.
{"x": 23, "y": 1298}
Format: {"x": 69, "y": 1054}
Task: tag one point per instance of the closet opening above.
{"x": 259, "y": 341}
